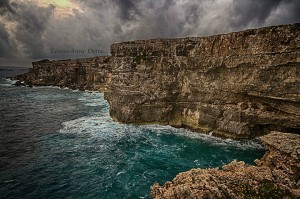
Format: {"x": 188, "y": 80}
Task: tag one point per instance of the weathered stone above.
{"x": 275, "y": 176}
{"x": 84, "y": 74}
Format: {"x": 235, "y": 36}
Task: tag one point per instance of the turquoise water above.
{"x": 58, "y": 143}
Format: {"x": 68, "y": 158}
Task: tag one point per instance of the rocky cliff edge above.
{"x": 237, "y": 85}
{"x": 276, "y": 175}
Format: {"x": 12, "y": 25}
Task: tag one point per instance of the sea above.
{"x": 61, "y": 143}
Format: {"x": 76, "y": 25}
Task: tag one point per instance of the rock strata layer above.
{"x": 237, "y": 85}
{"x": 83, "y": 74}
{"x": 277, "y": 175}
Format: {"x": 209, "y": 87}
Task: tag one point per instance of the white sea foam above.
{"x": 54, "y": 87}
{"x": 89, "y": 124}
{"x": 102, "y": 125}
{"x": 95, "y": 99}
{"x": 245, "y": 144}
{"x": 105, "y": 128}
{"x": 7, "y": 82}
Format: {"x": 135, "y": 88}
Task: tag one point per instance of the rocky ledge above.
{"x": 276, "y": 175}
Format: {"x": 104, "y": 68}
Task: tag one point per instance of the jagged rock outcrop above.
{"x": 277, "y": 175}
{"x": 84, "y": 74}
{"x": 237, "y": 85}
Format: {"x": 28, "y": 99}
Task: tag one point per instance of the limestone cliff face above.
{"x": 237, "y": 85}
{"x": 276, "y": 175}
{"x": 84, "y": 74}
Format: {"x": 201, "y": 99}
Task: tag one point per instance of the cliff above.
{"x": 276, "y": 175}
{"x": 84, "y": 74}
{"x": 236, "y": 85}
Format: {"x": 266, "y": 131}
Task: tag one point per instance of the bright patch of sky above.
{"x": 62, "y": 7}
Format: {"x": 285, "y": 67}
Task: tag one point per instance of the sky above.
{"x": 32, "y": 30}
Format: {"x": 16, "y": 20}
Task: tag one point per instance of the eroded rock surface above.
{"x": 276, "y": 175}
{"x": 84, "y": 74}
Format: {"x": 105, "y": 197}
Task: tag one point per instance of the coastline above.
{"x": 238, "y": 85}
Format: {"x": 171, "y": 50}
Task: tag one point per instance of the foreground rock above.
{"x": 277, "y": 175}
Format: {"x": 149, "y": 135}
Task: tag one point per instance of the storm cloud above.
{"x": 29, "y": 31}
{"x": 5, "y": 7}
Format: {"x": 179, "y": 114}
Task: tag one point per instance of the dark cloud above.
{"x": 257, "y": 12}
{"x": 192, "y": 14}
{"x": 127, "y": 8}
{"x": 252, "y": 11}
{"x": 287, "y": 12}
{"x": 7, "y": 48}
{"x": 101, "y": 23}
{"x": 32, "y": 23}
{"x": 5, "y": 6}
